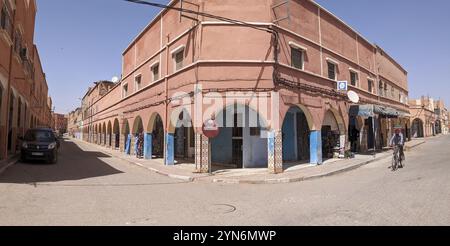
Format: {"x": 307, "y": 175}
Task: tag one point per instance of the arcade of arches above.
{"x": 303, "y": 138}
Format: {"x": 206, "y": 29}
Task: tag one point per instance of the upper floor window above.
{"x": 155, "y": 72}
{"x": 125, "y": 90}
{"x": 370, "y": 85}
{"x": 138, "y": 83}
{"x": 5, "y": 20}
{"x": 178, "y": 58}
{"x": 297, "y": 58}
{"x": 297, "y": 55}
{"x": 354, "y": 78}
{"x": 332, "y": 70}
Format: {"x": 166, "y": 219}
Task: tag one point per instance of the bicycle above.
{"x": 396, "y": 159}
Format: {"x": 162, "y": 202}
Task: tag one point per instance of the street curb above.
{"x": 303, "y": 178}
{"x": 174, "y": 176}
{"x": 14, "y": 161}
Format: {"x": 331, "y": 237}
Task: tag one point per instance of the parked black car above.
{"x": 40, "y": 144}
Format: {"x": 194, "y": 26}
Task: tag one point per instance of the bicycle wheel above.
{"x": 395, "y": 160}
{"x": 394, "y": 163}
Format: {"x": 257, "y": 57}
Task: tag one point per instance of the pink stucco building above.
{"x": 24, "y": 101}
{"x": 282, "y": 66}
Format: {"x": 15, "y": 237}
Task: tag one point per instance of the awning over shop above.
{"x": 370, "y": 110}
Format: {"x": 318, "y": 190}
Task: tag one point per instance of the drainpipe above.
{"x": 166, "y": 103}
{"x": 8, "y": 90}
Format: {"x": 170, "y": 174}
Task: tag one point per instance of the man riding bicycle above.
{"x": 398, "y": 140}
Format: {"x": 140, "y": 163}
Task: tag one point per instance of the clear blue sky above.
{"x": 82, "y": 41}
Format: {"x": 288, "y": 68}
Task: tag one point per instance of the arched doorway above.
{"x": 331, "y": 136}
{"x": 296, "y": 136}
{"x": 184, "y": 138}
{"x": 138, "y": 135}
{"x": 156, "y": 128}
{"x": 417, "y": 128}
{"x": 241, "y": 142}
{"x": 116, "y": 134}
{"x": 127, "y": 138}
{"x": 104, "y": 134}
{"x": 438, "y": 127}
{"x": 99, "y": 135}
{"x": 109, "y": 132}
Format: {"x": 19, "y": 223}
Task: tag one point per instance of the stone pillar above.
{"x": 316, "y": 147}
{"x": 148, "y": 144}
{"x": 133, "y": 146}
{"x": 202, "y": 153}
{"x": 275, "y": 152}
{"x": 343, "y": 145}
{"x": 108, "y": 138}
{"x": 122, "y": 143}
{"x": 113, "y": 141}
{"x": 170, "y": 149}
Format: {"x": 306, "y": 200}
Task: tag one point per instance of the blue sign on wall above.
{"x": 342, "y": 85}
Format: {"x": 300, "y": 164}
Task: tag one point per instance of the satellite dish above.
{"x": 353, "y": 96}
{"x": 115, "y": 79}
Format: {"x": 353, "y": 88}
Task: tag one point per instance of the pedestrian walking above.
{"x": 140, "y": 146}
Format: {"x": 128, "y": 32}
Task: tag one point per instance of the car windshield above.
{"x": 39, "y": 136}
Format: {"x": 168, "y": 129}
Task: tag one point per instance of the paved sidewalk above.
{"x": 185, "y": 172}
{"x": 294, "y": 173}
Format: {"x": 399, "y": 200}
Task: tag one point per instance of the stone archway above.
{"x": 109, "y": 134}
{"x": 104, "y": 140}
{"x": 155, "y": 136}
{"x": 417, "y": 128}
{"x": 126, "y": 137}
{"x": 137, "y": 143}
{"x": 241, "y": 142}
{"x": 331, "y": 131}
{"x": 116, "y": 134}
{"x": 296, "y": 135}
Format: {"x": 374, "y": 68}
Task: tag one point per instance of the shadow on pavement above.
{"x": 73, "y": 164}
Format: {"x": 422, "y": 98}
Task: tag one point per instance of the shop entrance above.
{"x": 330, "y": 136}
{"x": 158, "y": 138}
{"x": 184, "y": 138}
{"x": 240, "y": 143}
{"x": 296, "y": 136}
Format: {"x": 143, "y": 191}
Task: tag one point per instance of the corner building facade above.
{"x": 286, "y": 62}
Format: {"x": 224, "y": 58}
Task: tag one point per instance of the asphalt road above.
{"x": 87, "y": 187}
